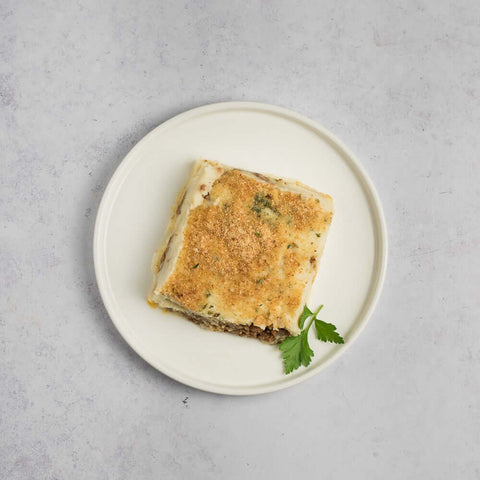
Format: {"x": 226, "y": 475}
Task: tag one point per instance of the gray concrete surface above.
{"x": 81, "y": 82}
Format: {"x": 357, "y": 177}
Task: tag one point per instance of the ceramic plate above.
{"x": 134, "y": 214}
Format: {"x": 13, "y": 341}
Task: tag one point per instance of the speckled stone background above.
{"x": 81, "y": 82}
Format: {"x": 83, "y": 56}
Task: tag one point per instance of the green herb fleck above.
{"x": 195, "y": 266}
{"x": 292, "y": 245}
{"x": 205, "y": 306}
{"x": 261, "y": 202}
{"x": 260, "y": 280}
{"x": 207, "y": 294}
{"x": 318, "y": 235}
{"x": 296, "y": 351}
{"x": 257, "y": 234}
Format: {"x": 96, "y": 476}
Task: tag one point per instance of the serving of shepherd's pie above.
{"x": 241, "y": 251}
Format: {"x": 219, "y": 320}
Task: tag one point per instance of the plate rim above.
{"x": 381, "y": 246}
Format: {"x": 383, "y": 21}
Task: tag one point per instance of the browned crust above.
{"x": 178, "y": 211}
{"x": 161, "y": 254}
{"x": 263, "y": 177}
{"x": 242, "y": 245}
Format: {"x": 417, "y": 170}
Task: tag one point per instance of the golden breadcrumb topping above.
{"x": 248, "y": 251}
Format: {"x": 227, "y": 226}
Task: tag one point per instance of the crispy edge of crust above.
{"x": 160, "y": 253}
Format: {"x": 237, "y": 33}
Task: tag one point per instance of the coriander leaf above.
{"x": 306, "y": 353}
{"x": 326, "y": 332}
{"x": 305, "y": 314}
{"x": 195, "y": 266}
{"x": 296, "y": 352}
{"x": 291, "y": 347}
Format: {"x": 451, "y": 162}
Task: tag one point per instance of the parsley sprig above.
{"x": 296, "y": 350}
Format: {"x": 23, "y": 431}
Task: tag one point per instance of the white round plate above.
{"x": 134, "y": 214}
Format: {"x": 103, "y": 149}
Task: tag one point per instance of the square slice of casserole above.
{"x": 241, "y": 251}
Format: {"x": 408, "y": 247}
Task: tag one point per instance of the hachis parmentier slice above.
{"x": 241, "y": 251}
